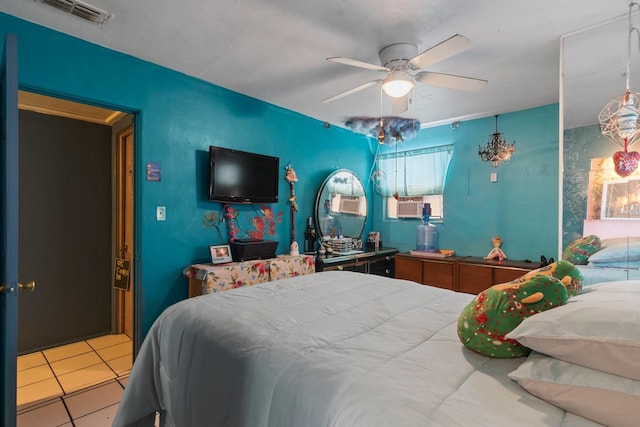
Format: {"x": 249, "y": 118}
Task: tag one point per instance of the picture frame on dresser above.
{"x": 220, "y": 254}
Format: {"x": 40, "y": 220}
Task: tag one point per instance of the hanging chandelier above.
{"x": 497, "y": 149}
{"x": 619, "y": 118}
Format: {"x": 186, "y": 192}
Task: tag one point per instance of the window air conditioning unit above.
{"x": 410, "y": 206}
{"x": 349, "y": 204}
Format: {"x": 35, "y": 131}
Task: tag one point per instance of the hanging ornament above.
{"x": 619, "y": 119}
{"x": 625, "y": 162}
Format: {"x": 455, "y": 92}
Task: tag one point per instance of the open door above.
{"x": 9, "y": 223}
{"x": 124, "y": 226}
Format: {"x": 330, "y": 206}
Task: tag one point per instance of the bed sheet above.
{"x": 327, "y": 349}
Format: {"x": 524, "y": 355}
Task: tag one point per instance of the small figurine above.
{"x": 291, "y": 174}
{"x": 496, "y": 252}
{"x": 294, "y": 249}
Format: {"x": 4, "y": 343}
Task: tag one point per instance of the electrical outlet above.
{"x": 161, "y": 213}
{"x": 493, "y": 177}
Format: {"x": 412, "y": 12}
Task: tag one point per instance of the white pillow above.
{"x": 607, "y": 399}
{"x": 599, "y": 329}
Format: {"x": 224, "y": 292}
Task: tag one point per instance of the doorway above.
{"x": 76, "y": 221}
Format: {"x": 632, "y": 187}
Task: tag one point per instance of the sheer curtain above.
{"x": 416, "y": 172}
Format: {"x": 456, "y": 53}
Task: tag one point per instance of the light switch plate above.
{"x": 161, "y": 213}
{"x": 493, "y": 177}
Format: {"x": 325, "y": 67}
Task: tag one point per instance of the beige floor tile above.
{"x": 93, "y": 399}
{"x": 30, "y": 360}
{"x": 69, "y": 350}
{"x": 108, "y": 341}
{"x": 123, "y": 380}
{"x": 102, "y": 418}
{"x": 115, "y": 351}
{"x": 75, "y": 363}
{"x": 85, "y": 377}
{"x": 121, "y": 365}
{"x": 37, "y": 392}
{"x": 34, "y": 375}
{"x": 50, "y": 415}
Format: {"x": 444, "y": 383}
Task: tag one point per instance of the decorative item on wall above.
{"x": 389, "y": 130}
{"x": 619, "y": 118}
{"x": 291, "y": 178}
{"x": 261, "y": 222}
{"x": 153, "y": 171}
{"x": 497, "y": 149}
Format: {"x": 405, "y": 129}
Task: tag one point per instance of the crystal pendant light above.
{"x": 497, "y": 149}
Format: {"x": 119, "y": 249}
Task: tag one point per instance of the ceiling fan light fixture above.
{"x": 397, "y": 84}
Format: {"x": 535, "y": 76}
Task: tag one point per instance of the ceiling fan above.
{"x": 401, "y": 59}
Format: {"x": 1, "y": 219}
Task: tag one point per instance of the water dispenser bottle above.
{"x": 426, "y": 233}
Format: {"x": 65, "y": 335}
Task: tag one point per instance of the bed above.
{"x": 334, "y": 348}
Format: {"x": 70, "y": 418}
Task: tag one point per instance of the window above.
{"x": 419, "y": 172}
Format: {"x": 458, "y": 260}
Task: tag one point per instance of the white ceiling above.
{"x": 276, "y": 50}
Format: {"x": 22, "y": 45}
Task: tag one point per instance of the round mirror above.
{"x": 341, "y": 205}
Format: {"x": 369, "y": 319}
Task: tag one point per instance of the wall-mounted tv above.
{"x": 241, "y": 177}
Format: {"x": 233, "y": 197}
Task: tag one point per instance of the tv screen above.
{"x": 241, "y": 177}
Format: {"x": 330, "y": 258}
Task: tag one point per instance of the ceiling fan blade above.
{"x": 352, "y": 91}
{"x": 399, "y": 105}
{"x": 355, "y": 63}
{"x": 443, "y": 50}
{"x": 468, "y": 84}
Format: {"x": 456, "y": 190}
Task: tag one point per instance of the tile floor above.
{"x": 78, "y": 384}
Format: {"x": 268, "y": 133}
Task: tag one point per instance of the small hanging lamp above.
{"x": 497, "y": 149}
{"x": 619, "y": 119}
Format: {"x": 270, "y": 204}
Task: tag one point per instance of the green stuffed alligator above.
{"x": 496, "y": 311}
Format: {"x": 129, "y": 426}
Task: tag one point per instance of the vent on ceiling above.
{"x": 81, "y": 10}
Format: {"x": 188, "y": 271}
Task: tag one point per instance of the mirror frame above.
{"x": 319, "y": 203}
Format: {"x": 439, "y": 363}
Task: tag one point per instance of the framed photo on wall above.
{"x": 220, "y": 254}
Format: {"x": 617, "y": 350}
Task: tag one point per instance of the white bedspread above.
{"x": 327, "y": 349}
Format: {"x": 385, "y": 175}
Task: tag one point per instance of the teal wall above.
{"x": 177, "y": 118}
{"x": 522, "y": 207}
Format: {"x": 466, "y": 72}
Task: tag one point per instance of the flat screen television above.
{"x": 241, "y": 177}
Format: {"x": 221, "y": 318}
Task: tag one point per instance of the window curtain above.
{"x": 416, "y": 172}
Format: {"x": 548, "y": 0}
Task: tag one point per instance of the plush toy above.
{"x": 562, "y": 270}
{"x": 496, "y": 311}
{"x": 579, "y": 251}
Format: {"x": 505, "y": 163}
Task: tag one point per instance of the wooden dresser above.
{"x": 459, "y": 273}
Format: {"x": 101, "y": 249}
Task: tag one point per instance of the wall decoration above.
{"x": 291, "y": 178}
{"x": 122, "y": 271}
{"x": 153, "y": 171}
{"x": 255, "y": 225}
{"x": 395, "y": 129}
